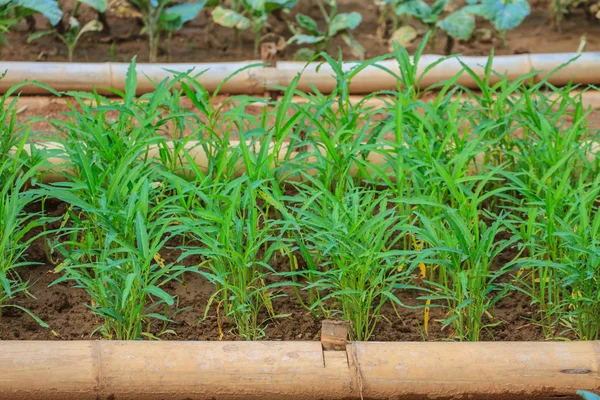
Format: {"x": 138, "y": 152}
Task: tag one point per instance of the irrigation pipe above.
{"x": 131, "y": 370}
{"x": 255, "y": 80}
{"x": 58, "y": 167}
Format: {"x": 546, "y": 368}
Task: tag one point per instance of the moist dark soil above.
{"x": 65, "y": 309}
{"x": 203, "y": 41}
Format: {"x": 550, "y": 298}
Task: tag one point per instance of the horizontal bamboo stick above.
{"x": 58, "y": 168}
{"x": 255, "y": 80}
{"x": 92, "y": 370}
{"x": 590, "y": 98}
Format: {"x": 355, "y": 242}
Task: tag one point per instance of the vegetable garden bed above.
{"x": 202, "y": 40}
{"x": 426, "y": 217}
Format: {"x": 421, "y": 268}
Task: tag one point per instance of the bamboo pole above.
{"x": 255, "y": 80}
{"x": 588, "y": 99}
{"x": 131, "y": 370}
{"x": 58, "y": 168}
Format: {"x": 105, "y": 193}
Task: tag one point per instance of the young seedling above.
{"x": 385, "y": 10}
{"x": 307, "y": 30}
{"x": 457, "y": 25}
{"x": 160, "y": 16}
{"x": 6, "y": 21}
{"x": 71, "y": 37}
{"x": 504, "y": 14}
{"x": 250, "y": 14}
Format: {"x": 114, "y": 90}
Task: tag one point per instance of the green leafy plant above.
{"x": 238, "y": 243}
{"x": 504, "y": 14}
{"x": 463, "y": 252}
{"x": 349, "y": 244}
{"x": 459, "y": 24}
{"x": 117, "y": 261}
{"x": 119, "y": 218}
{"x": 307, "y": 30}
{"x": 160, "y": 16}
{"x": 71, "y": 37}
{"x": 385, "y": 9}
{"x": 50, "y": 9}
{"x": 101, "y": 6}
{"x": 19, "y": 228}
{"x": 6, "y": 21}
{"x": 250, "y": 14}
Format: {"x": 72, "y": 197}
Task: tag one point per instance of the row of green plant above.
{"x": 457, "y": 202}
{"x": 160, "y": 17}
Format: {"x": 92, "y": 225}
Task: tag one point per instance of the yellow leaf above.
{"x": 422, "y": 269}
{"x": 60, "y": 267}
{"x": 426, "y": 318}
{"x": 54, "y": 332}
{"x": 159, "y": 260}
{"x": 538, "y": 280}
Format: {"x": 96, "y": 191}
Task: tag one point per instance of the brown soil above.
{"x": 64, "y": 308}
{"x": 203, "y": 41}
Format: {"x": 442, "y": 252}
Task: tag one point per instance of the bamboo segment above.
{"x": 590, "y": 98}
{"x": 583, "y": 70}
{"x": 58, "y": 167}
{"x": 131, "y": 370}
{"x": 257, "y": 79}
{"x": 88, "y": 76}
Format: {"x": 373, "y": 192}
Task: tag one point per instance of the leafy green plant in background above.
{"x": 50, "y": 9}
{"x": 459, "y": 24}
{"x": 307, "y": 30}
{"x": 101, "y": 6}
{"x": 385, "y": 10}
{"x": 250, "y": 14}
{"x": 72, "y": 35}
{"x": 160, "y": 16}
{"x": 505, "y": 15}
{"x": 561, "y": 8}
{"x": 6, "y": 21}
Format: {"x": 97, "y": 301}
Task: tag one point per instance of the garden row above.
{"x": 400, "y": 21}
{"x": 344, "y": 208}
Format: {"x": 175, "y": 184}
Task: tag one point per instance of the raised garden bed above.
{"x": 261, "y": 238}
